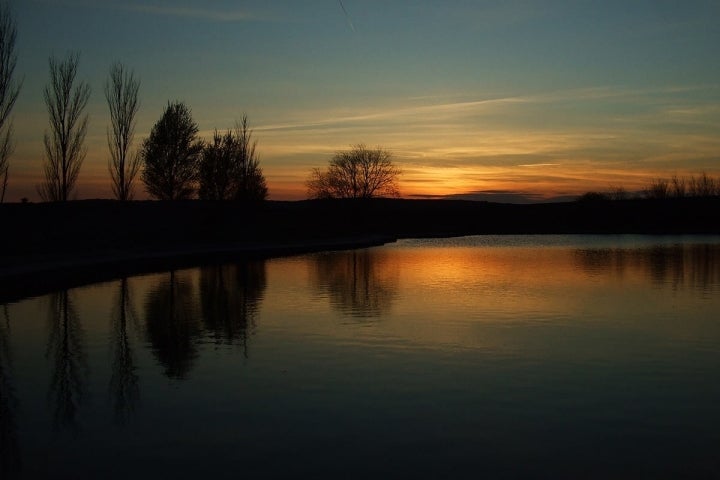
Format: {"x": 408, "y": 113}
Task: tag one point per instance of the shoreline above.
{"x": 50, "y": 246}
{"x": 44, "y": 275}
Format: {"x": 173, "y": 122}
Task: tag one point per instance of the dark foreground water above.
{"x": 478, "y": 357}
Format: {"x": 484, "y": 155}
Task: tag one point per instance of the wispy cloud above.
{"x": 198, "y": 13}
{"x": 535, "y": 165}
{"x": 209, "y": 14}
{"x": 450, "y": 110}
{"x": 424, "y": 110}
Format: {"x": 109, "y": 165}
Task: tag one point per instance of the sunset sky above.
{"x": 505, "y": 100}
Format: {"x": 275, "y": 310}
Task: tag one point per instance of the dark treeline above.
{"x": 694, "y": 186}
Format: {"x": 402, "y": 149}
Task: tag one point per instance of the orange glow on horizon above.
{"x": 438, "y": 172}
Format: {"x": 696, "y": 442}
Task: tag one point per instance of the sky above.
{"x": 511, "y": 100}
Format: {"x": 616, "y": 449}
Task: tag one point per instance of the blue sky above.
{"x": 543, "y": 98}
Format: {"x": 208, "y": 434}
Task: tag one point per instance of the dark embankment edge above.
{"x": 48, "y": 246}
{"x": 52, "y": 273}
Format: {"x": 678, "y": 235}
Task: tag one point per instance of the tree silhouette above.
{"x": 170, "y": 155}
{"x": 230, "y": 168}
{"x": 121, "y": 93}
{"x": 9, "y": 91}
{"x": 356, "y": 173}
{"x": 64, "y": 149}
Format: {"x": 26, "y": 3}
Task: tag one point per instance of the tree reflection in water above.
{"x": 66, "y": 351}
{"x": 172, "y": 326}
{"x": 360, "y": 283}
{"x": 694, "y": 266}
{"x": 230, "y": 297}
{"x": 124, "y": 388}
{"x": 9, "y": 445}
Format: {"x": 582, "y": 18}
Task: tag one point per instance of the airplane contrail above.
{"x": 347, "y": 16}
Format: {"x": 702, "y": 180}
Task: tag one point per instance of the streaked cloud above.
{"x": 204, "y": 14}
{"x": 207, "y": 13}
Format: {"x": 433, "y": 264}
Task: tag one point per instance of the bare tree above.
{"x": 64, "y": 149}
{"x": 121, "y": 93}
{"x": 171, "y": 155}
{"x": 356, "y": 173}
{"x": 9, "y": 91}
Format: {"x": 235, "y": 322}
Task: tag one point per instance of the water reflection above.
{"x": 66, "y": 351}
{"x": 360, "y": 283}
{"x": 9, "y": 445}
{"x": 693, "y": 266}
{"x": 532, "y": 352}
{"x": 124, "y": 389}
{"x": 230, "y": 297}
{"x": 171, "y": 324}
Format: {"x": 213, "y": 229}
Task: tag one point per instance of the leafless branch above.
{"x": 64, "y": 145}
{"x": 9, "y": 91}
{"x": 121, "y": 93}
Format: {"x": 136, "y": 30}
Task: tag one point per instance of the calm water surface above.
{"x": 476, "y": 357}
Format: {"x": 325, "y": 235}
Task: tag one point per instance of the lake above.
{"x": 472, "y": 357}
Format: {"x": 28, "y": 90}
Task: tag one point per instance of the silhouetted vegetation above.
{"x": 589, "y": 197}
{"x": 230, "y": 168}
{"x": 698, "y": 186}
{"x": 121, "y": 93}
{"x": 64, "y": 145}
{"x": 678, "y": 188}
{"x": 356, "y": 173}
{"x": 170, "y": 155}
{"x": 658, "y": 189}
{"x": 9, "y": 91}
{"x": 701, "y": 185}
{"x": 675, "y": 187}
